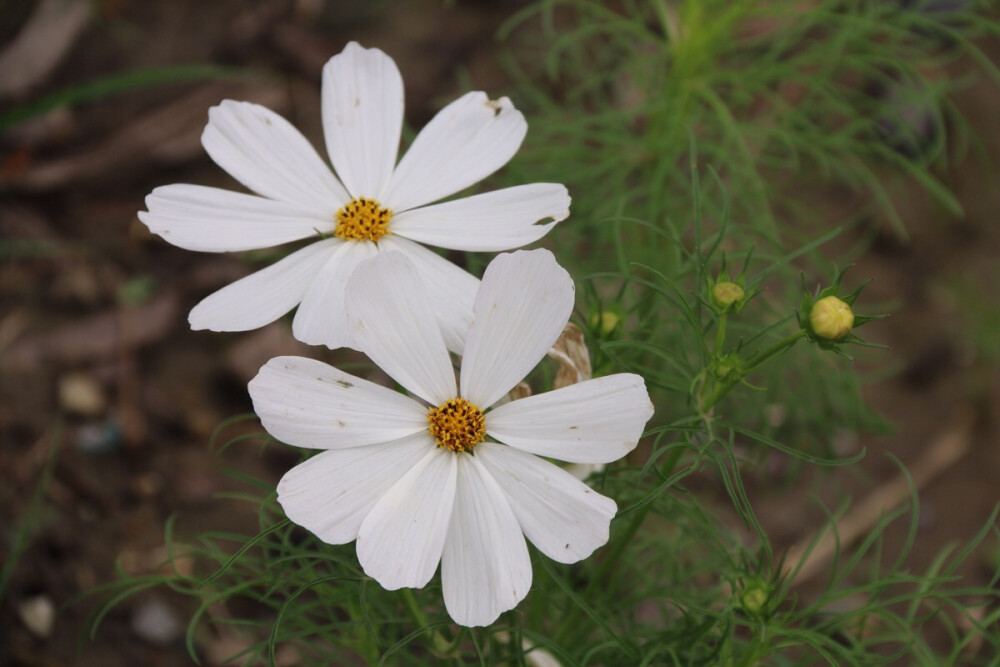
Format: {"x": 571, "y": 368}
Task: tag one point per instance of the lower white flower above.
{"x": 440, "y": 476}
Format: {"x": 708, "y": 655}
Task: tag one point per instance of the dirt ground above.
{"x": 108, "y": 401}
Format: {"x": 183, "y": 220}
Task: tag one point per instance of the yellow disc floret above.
{"x": 362, "y": 219}
{"x": 457, "y": 425}
{"x": 831, "y": 318}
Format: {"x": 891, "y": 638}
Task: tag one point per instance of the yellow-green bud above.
{"x": 754, "y": 599}
{"x": 726, "y": 294}
{"x": 604, "y": 321}
{"x": 831, "y": 318}
{"x": 728, "y": 368}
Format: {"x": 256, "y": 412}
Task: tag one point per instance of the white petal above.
{"x": 596, "y": 421}
{"x": 321, "y": 318}
{"x": 401, "y": 539}
{"x": 451, "y": 290}
{"x": 264, "y": 152}
{"x": 264, "y": 296}
{"x": 500, "y": 220}
{"x": 485, "y": 568}
{"x": 561, "y": 515}
{"x": 464, "y": 143}
{"x": 362, "y": 117}
{"x": 522, "y": 306}
{"x": 391, "y": 321}
{"x": 331, "y": 493}
{"x": 306, "y": 403}
{"x": 214, "y": 220}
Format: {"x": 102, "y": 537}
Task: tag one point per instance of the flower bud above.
{"x": 754, "y": 598}
{"x": 831, "y": 318}
{"x": 728, "y": 368}
{"x": 726, "y": 294}
{"x": 605, "y": 321}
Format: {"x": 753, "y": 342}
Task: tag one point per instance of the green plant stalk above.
{"x": 758, "y": 359}
{"x": 625, "y": 537}
{"x": 618, "y": 546}
{"x": 755, "y": 362}
{"x": 25, "y": 531}
{"x": 437, "y": 643}
{"x": 720, "y": 334}
{"x": 367, "y": 644}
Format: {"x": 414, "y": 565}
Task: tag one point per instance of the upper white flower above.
{"x": 374, "y": 205}
{"x": 414, "y": 479}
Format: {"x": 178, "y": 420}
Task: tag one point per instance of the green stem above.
{"x": 612, "y": 557}
{"x": 720, "y": 334}
{"x": 777, "y": 348}
{"x": 752, "y": 364}
{"x": 624, "y": 538}
{"x": 438, "y": 643}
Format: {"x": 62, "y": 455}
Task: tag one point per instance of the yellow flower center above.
{"x": 362, "y": 219}
{"x": 457, "y": 425}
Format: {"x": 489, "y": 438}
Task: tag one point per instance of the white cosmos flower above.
{"x": 374, "y": 205}
{"x": 447, "y": 475}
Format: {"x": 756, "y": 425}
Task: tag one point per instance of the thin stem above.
{"x": 720, "y": 334}
{"x": 437, "y": 642}
{"x": 613, "y": 556}
{"x": 752, "y": 364}
{"x": 777, "y": 348}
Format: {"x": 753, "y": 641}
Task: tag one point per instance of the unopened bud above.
{"x": 831, "y": 318}
{"x": 726, "y": 294}
{"x": 604, "y": 321}
{"x": 728, "y": 368}
{"x": 754, "y": 599}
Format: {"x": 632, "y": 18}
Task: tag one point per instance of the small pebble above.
{"x": 147, "y": 486}
{"x": 38, "y": 614}
{"x": 155, "y": 622}
{"x": 79, "y": 394}
{"x": 99, "y": 438}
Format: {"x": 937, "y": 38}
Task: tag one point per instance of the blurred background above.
{"x": 109, "y": 403}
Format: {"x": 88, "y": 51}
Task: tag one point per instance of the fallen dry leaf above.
{"x": 939, "y": 456}
{"x": 41, "y": 44}
{"x": 253, "y": 350}
{"x": 97, "y": 337}
{"x": 170, "y": 135}
{"x": 308, "y": 50}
